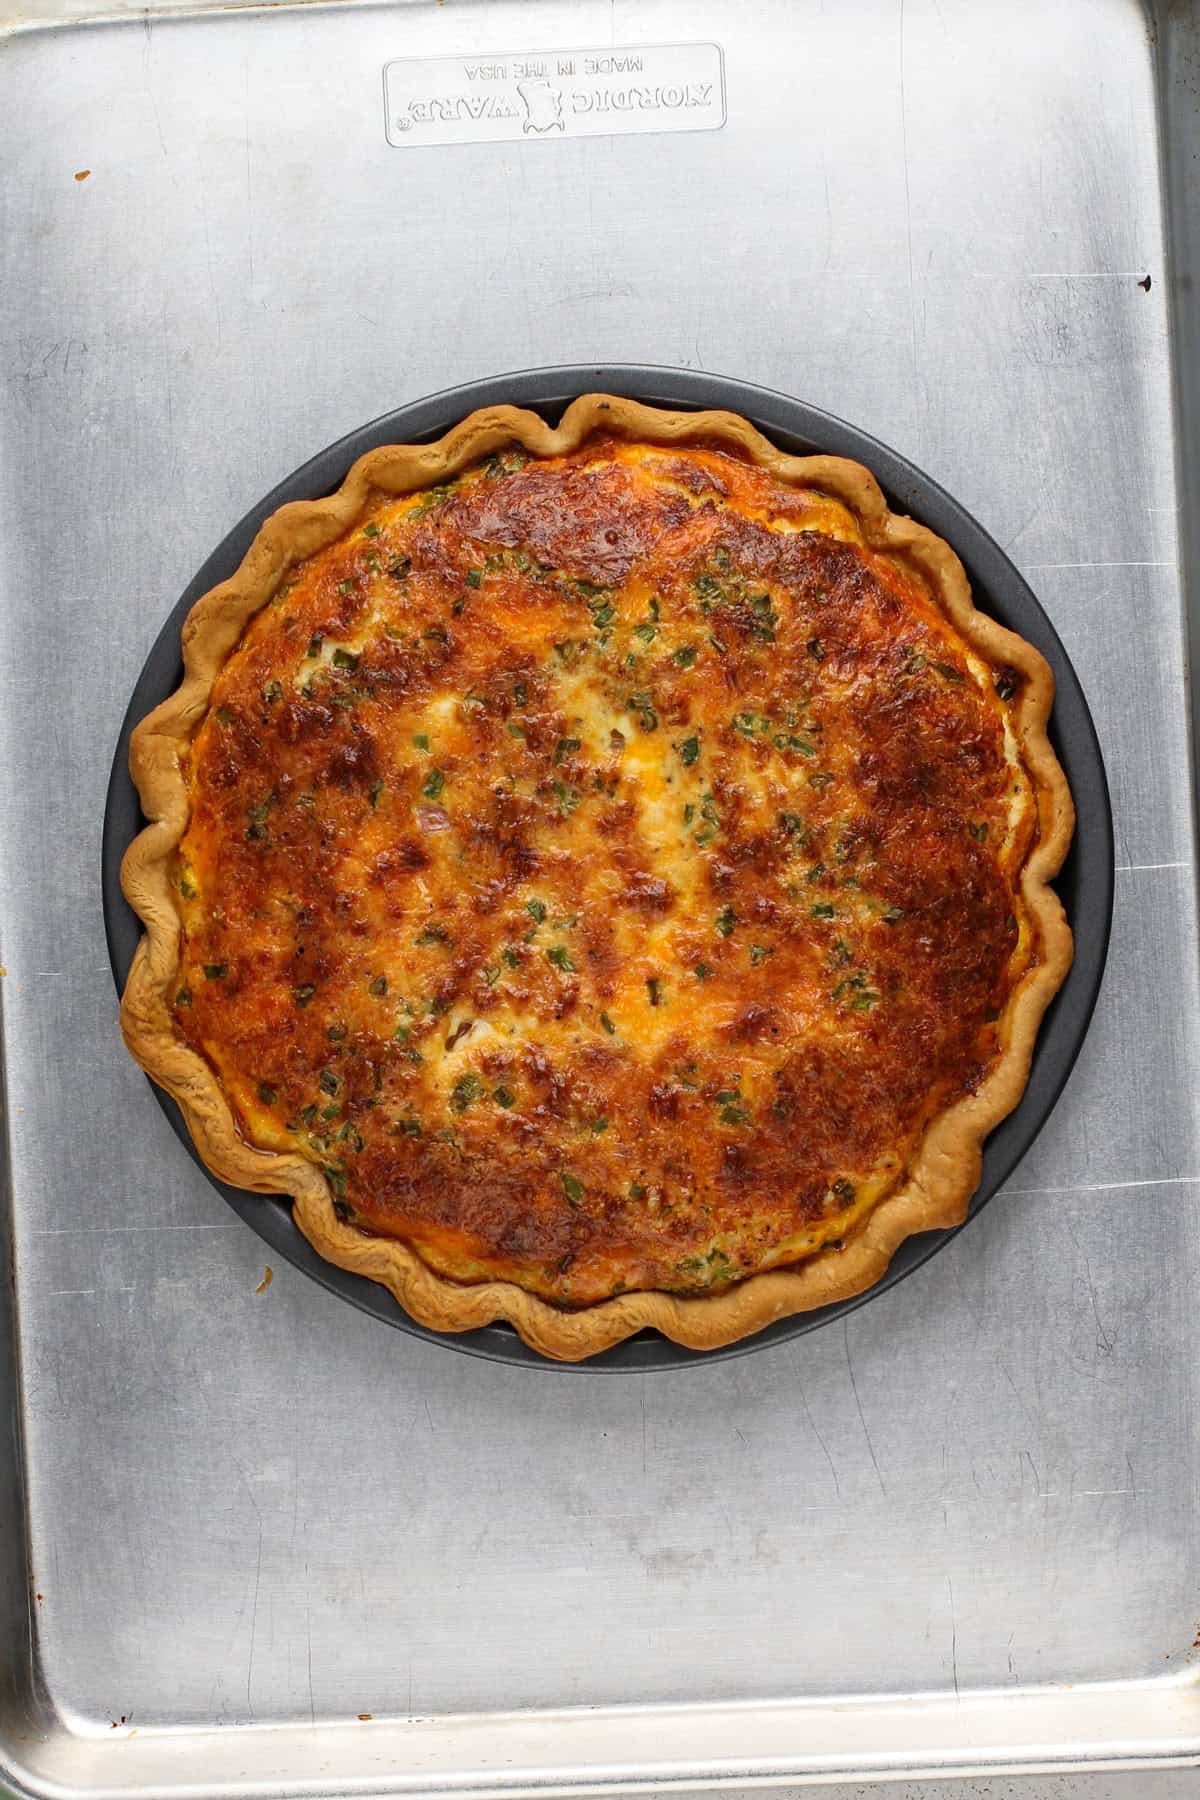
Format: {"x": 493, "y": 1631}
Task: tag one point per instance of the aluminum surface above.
{"x": 958, "y": 1532}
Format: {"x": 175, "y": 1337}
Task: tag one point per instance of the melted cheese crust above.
{"x": 604, "y": 868}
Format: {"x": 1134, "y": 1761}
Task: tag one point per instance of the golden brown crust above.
{"x": 945, "y": 1170}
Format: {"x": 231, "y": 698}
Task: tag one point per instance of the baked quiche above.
{"x": 601, "y": 874}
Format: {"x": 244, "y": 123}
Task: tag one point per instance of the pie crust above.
{"x": 943, "y": 1172}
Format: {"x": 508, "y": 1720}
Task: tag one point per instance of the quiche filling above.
{"x": 604, "y": 867}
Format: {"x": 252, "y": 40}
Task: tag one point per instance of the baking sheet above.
{"x": 956, "y": 1532}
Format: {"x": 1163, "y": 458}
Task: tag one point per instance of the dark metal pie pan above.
{"x": 1085, "y": 885}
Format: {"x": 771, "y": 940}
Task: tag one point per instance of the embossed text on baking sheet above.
{"x": 547, "y": 94}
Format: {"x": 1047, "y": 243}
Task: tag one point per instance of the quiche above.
{"x": 600, "y": 873}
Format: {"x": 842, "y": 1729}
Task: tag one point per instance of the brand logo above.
{"x": 554, "y": 94}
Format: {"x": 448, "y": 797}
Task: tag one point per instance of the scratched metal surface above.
{"x": 957, "y": 1531}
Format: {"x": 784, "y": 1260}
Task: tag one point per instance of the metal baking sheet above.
{"x": 251, "y": 1543}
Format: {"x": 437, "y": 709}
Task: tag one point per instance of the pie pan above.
{"x": 1085, "y": 885}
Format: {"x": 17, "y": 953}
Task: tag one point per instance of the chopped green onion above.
{"x": 466, "y": 1089}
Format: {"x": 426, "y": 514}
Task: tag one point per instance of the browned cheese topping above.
{"x": 603, "y": 868}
